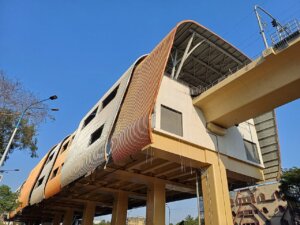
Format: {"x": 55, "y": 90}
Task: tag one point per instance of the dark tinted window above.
{"x": 50, "y": 157}
{"x": 65, "y": 146}
{"x": 171, "y": 120}
{"x": 110, "y": 97}
{"x": 40, "y": 181}
{"x": 90, "y": 117}
{"x": 54, "y": 173}
{"x": 251, "y": 151}
{"x": 96, "y": 135}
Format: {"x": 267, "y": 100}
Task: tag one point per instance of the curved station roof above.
{"x": 212, "y": 59}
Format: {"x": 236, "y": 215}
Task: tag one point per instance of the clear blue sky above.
{"x": 78, "y": 49}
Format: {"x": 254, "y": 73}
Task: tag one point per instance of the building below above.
{"x": 136, "y": 221}
{"x": 259, "y": 205}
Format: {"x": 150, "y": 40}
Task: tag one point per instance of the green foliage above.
{"x": 189, "y": 220}
{"x": 8, "y": 199}
{"x": 290, "y": 184}
{"x": 103, "y": 222}
{"x": 25, "y": 136}
{"x": 14, "y": 99}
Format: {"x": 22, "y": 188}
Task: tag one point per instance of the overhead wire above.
{"x": 253, "y": 38}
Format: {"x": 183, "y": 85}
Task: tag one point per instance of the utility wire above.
{"x": 236, "y": 26}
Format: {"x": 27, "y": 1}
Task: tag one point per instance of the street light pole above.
{"x": 6, "y": 171}
{"x": 169, "y": 213}
{"x": 17, "y": 127}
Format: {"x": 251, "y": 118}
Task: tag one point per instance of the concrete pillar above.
{"x": 217, "y": 209}
{"x": 57, "y": 219}
{"x": 88, "y": 213}
{"x": 68, "y": 217}
{"x": 119, "y": 213}
{"x": 156, "y": 204}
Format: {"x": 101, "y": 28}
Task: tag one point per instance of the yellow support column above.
{"x": 119, "y": 213}
{"x": 68, "y": 217}
{"x": 89, "y": 213}
{"x": 156, "y": 203}
{"x": 56, "y": 219}
{"x": 217, "y": 209}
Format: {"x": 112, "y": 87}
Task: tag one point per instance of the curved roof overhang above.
{"x": 209, "y": 57}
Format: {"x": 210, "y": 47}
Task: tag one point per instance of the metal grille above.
{"x": 132, "y": 131}
{"x": 84, "y": 157}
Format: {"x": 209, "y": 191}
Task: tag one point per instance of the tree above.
{"x": 14, "y": 98}
{"x": 189, "y": 220}
{"x": 290, "y": 190}
{"x": 8, "y": 199}
{"x": 103, "y": 222}
{"x": 290, "y": 184}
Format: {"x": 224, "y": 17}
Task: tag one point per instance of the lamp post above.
{"x": 53, "y": 97}
{"x": 6, "y": 171}
{"x": 169, "y": 213}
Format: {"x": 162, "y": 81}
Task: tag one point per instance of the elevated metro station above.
{"x": 192, "y": 118}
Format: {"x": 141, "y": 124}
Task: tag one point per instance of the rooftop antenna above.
{"x": 275, "y": 23}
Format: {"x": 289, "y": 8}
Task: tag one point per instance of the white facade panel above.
{"x": 176, "y": 96}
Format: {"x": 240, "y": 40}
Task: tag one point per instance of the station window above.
{"x": 90, "y": 118}
{"x": 96, "y": 135}
{"x": 171, "y": 120}
{"x": 110, "y": 97}
{"x": 40, "y": 181}
{"x": 54, "y": 173}
{"x": 50, "y": 157}
{"x": 251, "y": 151}
{"x": 64, "y": 147}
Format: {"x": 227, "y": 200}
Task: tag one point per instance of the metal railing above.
{"x": 282, "y": 36}
{"x": 280, "y": 39}
{"x": 195, "y": 91}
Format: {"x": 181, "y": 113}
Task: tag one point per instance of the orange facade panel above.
{"x": 29, "y": 184}
{"x": 53, "y": 185}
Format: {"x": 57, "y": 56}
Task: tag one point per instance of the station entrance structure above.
{"x": 159, "y": 130}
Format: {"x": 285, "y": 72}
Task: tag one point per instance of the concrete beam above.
{"x": 147, "y": 180}
{"x": 264, "y": 84}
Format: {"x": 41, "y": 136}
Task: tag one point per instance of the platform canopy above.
{"x": 211, "y": 58}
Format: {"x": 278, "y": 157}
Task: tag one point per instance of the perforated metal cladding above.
{"x": 84, "y": 156}
{"x": 28, "y": 185}
{"x": 38, "y": 190}
{"x": 53, "y": 185}
{"x": 132, "y": 131}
